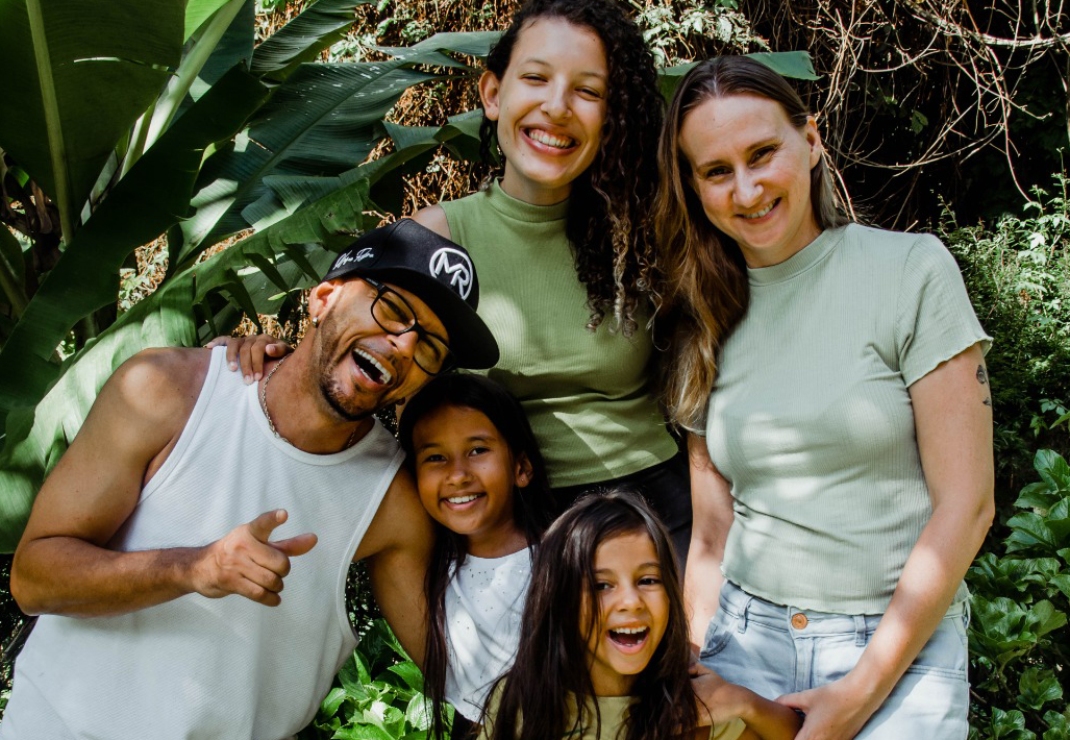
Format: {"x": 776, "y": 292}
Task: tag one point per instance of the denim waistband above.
{"x": 747, "y": 608}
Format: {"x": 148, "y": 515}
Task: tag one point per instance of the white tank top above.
{"x": 214, "y": 668}
{"x": 484, "y": 603}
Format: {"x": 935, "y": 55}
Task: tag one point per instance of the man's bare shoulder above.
{"x": 158, "y": 382}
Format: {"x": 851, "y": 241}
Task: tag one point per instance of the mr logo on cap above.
{"x": 436, "y": 270}
{"x": 456, "y": 265}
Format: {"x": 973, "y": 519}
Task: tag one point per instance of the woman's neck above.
{"x": 530, "y": 191}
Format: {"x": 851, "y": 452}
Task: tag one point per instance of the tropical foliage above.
{"x": 224, "y": 141}
{"x": 251, "y": 157}
{"x": 204, "y": 139}
{"x": 378, "y": 695}
{"x": 1021, "y": 599}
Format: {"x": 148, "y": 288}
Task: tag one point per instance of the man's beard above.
{"x": 338, "y": 400}
{"x": 342, "y": 403}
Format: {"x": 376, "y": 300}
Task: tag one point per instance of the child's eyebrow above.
{"x": 643, "y": 566}
{"x": 473, "y": 438}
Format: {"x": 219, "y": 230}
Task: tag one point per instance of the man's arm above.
{"x": 63, "y": 564}
{"x": 397, "y": 548}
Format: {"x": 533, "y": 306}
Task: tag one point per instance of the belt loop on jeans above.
{"x": 860, "y": 630}
{"x": 743, "y": 612}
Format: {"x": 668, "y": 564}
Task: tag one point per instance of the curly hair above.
{"x": 706, "y": 290}
{"x": 608, "y": 222}
{"x": 552, "y": 663}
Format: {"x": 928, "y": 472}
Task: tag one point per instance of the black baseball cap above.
{"x": 436, "y": 270}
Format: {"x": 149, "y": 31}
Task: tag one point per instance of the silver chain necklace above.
{"x": 267, "y": 414}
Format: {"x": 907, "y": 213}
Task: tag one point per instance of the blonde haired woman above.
{"x": 832, "y": 377}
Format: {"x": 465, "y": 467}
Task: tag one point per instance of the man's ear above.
{"x": 322, "y": 297}
{"x": 489, "y": 87}
{"x": 524, "y": 471}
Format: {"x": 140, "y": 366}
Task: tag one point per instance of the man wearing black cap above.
{"x": 152, "y": 548}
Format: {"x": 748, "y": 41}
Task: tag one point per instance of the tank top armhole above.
{"x": 389, "y": 473}
{"x": 189, "y": 431}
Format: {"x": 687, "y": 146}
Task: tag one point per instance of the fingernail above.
{"x": 248, "y": 380}
{"x": 257, "y": 376}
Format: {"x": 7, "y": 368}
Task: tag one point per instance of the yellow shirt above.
{"x": 613, "y": 711}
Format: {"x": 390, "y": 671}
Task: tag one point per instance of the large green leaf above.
{"x": 12, "y": 273}
{"x": 76, "y": 75}
{"x": 795, "y": 65}
{"x": 36, "y": 439}
{"x": 152, "y": 197}
{"x": 323, "y": 120}
{"x": 199, "y": 11}
{"x": 303, "y": 38}
{"x": 470, "y": 43}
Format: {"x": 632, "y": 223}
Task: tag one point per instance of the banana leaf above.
{"x": 76, "y": 76}
{"x": 36, "y": 439}
{"x": 323, "y": 120}
{"x": 303, "y": 38}
{"x": 152, "y": 197}
{"x": 795, "y": 65}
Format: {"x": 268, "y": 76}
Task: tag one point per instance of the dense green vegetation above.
{"x": 243, "y": 142}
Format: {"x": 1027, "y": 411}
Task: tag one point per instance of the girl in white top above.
{"x": 482, "y": 479}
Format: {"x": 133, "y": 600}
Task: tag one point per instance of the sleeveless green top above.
{"x": 586, "y": 394}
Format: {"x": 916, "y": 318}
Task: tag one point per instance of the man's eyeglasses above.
{"x": 395, "y": 316}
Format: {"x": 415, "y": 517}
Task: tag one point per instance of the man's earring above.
{"x": 315, "y": 321}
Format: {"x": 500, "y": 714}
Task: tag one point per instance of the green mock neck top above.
{"x": 586, "y": 394}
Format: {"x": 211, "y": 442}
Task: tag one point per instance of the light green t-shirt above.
{"x": 613, "y": 715}
{"x": 586, "y": 394}
{"x": 811, "y": 421}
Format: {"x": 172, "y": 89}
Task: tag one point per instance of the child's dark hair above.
{"x": 532, "y": 506}
{"x": 552, "y": 660}
{"x": 608, "y": 214}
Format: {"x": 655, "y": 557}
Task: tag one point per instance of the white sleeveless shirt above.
{"x": 214, "y": 668}
{"x": 484, "y": 604}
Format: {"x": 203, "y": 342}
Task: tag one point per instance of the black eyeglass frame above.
{"x": 423, "y": 336}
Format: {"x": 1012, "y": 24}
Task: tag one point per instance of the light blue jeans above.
{"x": 775, "y": 650}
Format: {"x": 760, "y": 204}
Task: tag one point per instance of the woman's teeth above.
{"x": 372, "y": 367}
{"x": 557, "y": 142}
{"x": 762, "y": 212}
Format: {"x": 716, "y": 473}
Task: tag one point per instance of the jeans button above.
{"x": 799, "y": 621}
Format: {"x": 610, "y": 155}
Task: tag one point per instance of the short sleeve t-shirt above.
{"x": 811, "y": 421}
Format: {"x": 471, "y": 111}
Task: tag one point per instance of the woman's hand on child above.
{"x": 250, "y": 353}
{"x": 835, "y": 711}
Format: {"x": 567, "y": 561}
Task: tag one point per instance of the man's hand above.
{"x": 246, "y": 563}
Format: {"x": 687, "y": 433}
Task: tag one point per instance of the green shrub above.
{"x": 1018, "y": 277}
{"x": 1018, "y": 634}
{"x": 378, "y": 694}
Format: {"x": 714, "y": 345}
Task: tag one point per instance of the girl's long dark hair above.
{"x": 552, "y": 660}
{"x": 608, "y": 220}
{"x": 532, "y": 506}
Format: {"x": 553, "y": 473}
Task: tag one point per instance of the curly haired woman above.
{"x": 564, "y": 250}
